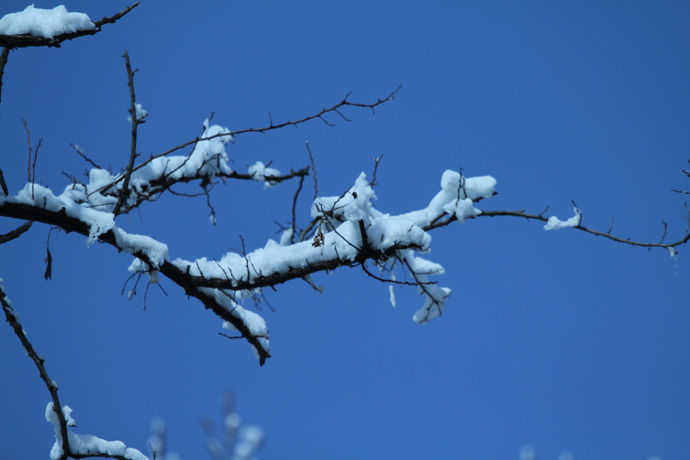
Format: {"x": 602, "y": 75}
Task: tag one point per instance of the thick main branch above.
{"x": 185, "y": 281}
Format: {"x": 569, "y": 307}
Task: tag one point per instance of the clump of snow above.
{"x": 344, "y": 222}
{"x": 462, "y": 208}
{"x": 36, "y": 195}
{"x": 555, "y": 223}
{"x": 455, "y": 188}
{"x": 254, "y": 322}
{"x": 44, "y": 23}
{"x": 353, "y": 205}
{"x": 86, "y": 444}
{"x": 209, "y": 156}
{"x": 261, "y": 173}
{"x": 141, "y": 113}
{"x": 156, "y": 251}
{"x": 391, "y": 296}
{"x": 672, "y": 252}
{"x": 286, "y": 236}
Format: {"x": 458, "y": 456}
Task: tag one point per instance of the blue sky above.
{"x": 560, "y": 340}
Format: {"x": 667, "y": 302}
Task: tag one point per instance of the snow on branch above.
{"x": 84, "y": 445}
{"x": 350, "y": 232}
{"x": 346, "y": 230}
{"x": 40, "y": 27}
{"x": 207, "y": 136}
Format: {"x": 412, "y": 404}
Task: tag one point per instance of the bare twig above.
{"x": 313, "y": 168}
{"x": 48, "y": 275}
{"x": 392, "y": 281}
{"x": 377, "y": 160}
{"x": 293, "y": 225}
{"x": 4, "y": 54}
{"x": 31, "y": 177}
{"x": 33, "y": 167}
{"x": 133, "y": 151}
{"x": 3, "y": 185}
{"x": 16, "y": 233}
{"x": 81, "y": 153}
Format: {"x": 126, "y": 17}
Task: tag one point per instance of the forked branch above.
{"x": 344, "y": 103}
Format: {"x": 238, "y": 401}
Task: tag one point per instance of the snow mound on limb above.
{"x": 40, "y": 22}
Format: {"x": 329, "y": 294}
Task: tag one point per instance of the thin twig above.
{"x": 391, "y": 281}
{"x": 313, "y": 168}
{"x": 524, "y": 215}
{"x": 4, "y": 54}
{"x": 33, "y": 167}
{"x": 377, "y": 160}
{"x": 81, "y": 153}
{"x": 3, "y": 185}
{"x": 293, "y": 226}
{"x": 133, "y": 151}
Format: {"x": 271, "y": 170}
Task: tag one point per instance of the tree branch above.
{"x": 4, "y": 54}
{"x": 13, "y": 319}
{"x": 187, "y": 282}
{"x": 16, "y": 233}
{"x": 133, "y": 150}
{"x": 231, "y": 134}
{"x": 441, "y": 222}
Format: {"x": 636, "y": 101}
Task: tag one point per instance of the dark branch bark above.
{"x": 16, "y": 233}
{"x": 4, "y": 54}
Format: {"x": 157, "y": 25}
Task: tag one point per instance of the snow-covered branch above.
{"x": 38, "y": 27}
{"x": 67, "y": 444}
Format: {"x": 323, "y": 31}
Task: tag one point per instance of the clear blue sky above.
{"x": 560, "y": 340}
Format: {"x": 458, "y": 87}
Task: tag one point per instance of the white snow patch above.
{"x": 555, "y": 223}
{"x": 391, "y": 293}
{"x": 156, "y": 251}
{"x": 259, "y": 171}
{"x": 86, "y": 444}
{"x": 44, "y": 23}
{"x": 462, "y": 208}
{"x": 141, "y": 113}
